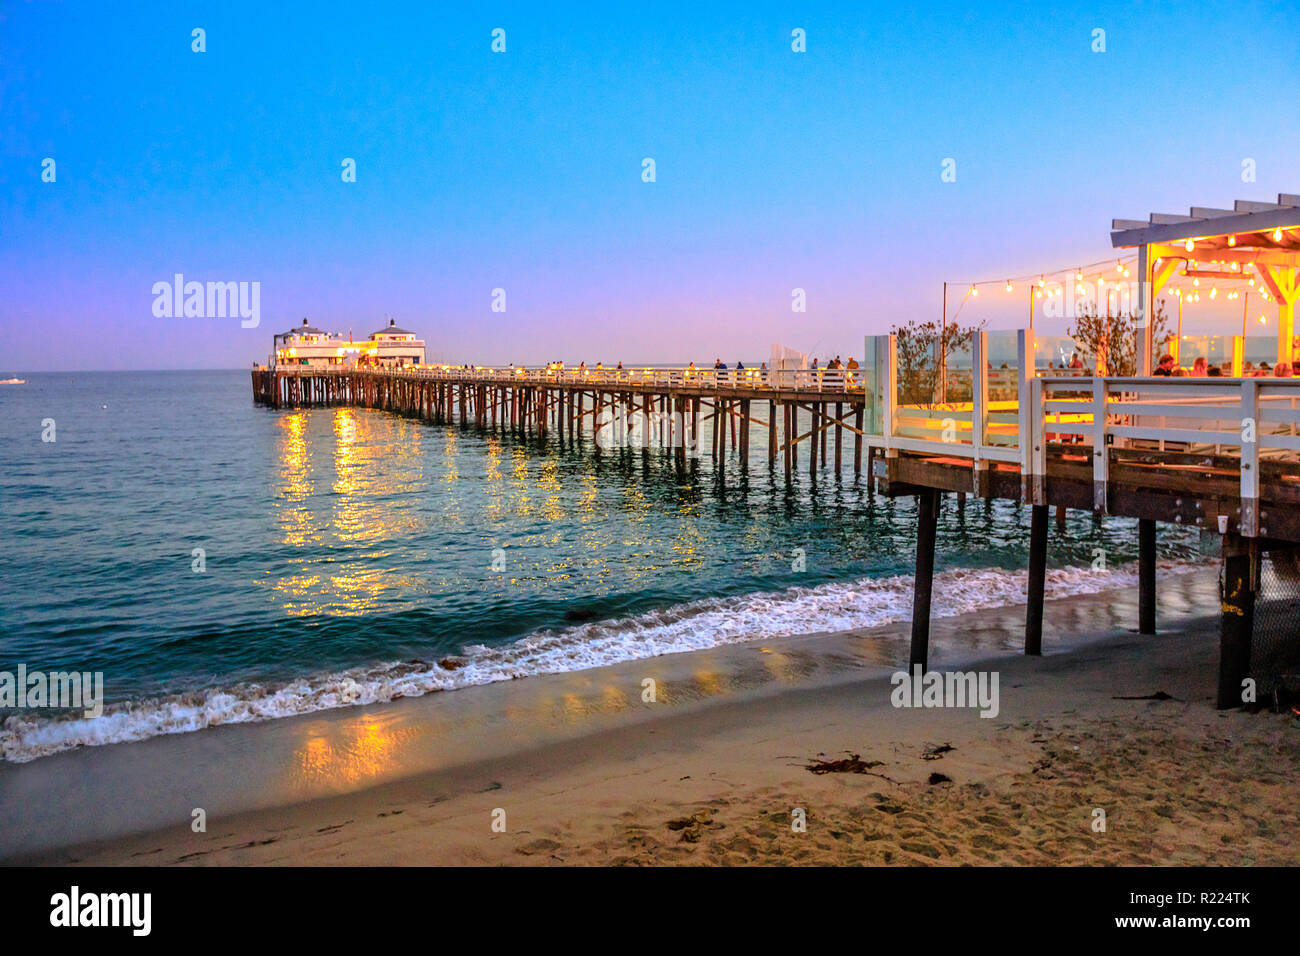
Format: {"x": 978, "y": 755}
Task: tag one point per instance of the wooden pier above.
{"x": 1222, "y": 455}
{"x": 816, "y": 410}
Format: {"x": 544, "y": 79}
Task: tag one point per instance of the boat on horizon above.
{"x": 13, "y": 381}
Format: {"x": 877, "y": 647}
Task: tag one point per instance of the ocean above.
{"x": 220, "y": 562}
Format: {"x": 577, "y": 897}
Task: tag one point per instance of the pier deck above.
{"x": 1219, "y": 454}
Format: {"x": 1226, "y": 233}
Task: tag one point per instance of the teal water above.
{"x": 347, "y": 552}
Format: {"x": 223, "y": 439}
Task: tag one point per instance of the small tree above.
{"x": 923, "y": 348}
{"x": 1114, "y": 338}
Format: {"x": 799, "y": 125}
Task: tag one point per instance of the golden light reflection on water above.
{"x": 710, "y": 683}
{"x": 295, "y": 481}
{"x": 353, "y": 752}
{"x": 356, "y": 486}
{"x": 549, "y": 483}
{"x": 780, "y": 666}
{"x": 377, "y": 462}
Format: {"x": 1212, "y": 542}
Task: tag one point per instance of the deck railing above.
{"x": 759, "y": 379}
{"x": 1007, "y": 416}
{"x": 1244, "y": 421}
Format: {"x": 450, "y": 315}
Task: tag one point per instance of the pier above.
{"x": 820, "y": 410}
{"x": 1221, "y": 455}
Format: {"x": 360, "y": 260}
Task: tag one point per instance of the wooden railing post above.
{"x": 1100, "y": 452}
{"x": 1249, "y": 458}
{"x": 889, "y": 396}
{"x": 1024, "y": 439}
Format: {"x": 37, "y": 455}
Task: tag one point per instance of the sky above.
{"x": 774, "y": 169}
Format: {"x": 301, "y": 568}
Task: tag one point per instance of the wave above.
{"x": 696, "y": 625}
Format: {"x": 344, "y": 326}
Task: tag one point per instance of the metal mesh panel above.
{"x": 1275, "y": 641}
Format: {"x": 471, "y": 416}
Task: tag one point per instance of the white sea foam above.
{"x": 686, "y": 627}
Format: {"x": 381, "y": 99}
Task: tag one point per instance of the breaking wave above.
{"x": 685, "y": 627}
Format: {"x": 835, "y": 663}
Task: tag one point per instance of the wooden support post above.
{"x": 839, "y": 417}
{"x": 824, "y": 437}
{"x": 1237, "y": 621}
{"x": 857, "y": 441}
{"x": 695, "y": 426}
{"x": 791, "y": 439}
{"x": 812, "y": 442}
{"x": 714, "y": 429}
{"x": 788, "y": 435}
{"x": 1037, "y": 580}
{"x": 1146, "y": 576}
{"x": 927, "y": 521}
{"x": 771, "y": 433}
{"x": 744, "y": 435}
{"x": 679, "y": 425}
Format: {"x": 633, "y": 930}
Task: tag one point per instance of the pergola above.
{"x": 1218, "y": 244}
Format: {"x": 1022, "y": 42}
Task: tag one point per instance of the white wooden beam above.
{"x": 1249, "y": 205}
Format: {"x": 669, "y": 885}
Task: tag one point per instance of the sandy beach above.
{"x": 585, "y": 772}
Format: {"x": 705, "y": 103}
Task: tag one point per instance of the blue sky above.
{"x": 522, "y": 170}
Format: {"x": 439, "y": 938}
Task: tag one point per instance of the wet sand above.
{"x": 579, "y": 769}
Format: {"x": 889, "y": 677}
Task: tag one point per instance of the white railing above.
{"x": 759, "y": 379}
{"x": 1247, "y": 420}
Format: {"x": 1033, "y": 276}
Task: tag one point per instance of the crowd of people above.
{"x": 718, "y": 366}
{"x": 1201, "y": 368}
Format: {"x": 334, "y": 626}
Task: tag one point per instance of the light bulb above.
{"x": 1277, "y": 234}
{"x": 1213, "y": 292}
{"x": 1079, "y": 275}
{"x": 1041, "y": 282}
{"x": 1232, "y": 240}
{"x": 1008, "y": 285}
{"x": 1189, "y": 245}
{"x": 1196, "y": 282}
{"x": 974, "y": 291}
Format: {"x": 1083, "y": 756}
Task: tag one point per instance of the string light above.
{"x": 1232, "y": 241}
{"x": 1277, "y": 234}
{"x": 1213, "y": 291}
{"x": 1189, "y": 245}
{"x": 1080, "y": 274}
